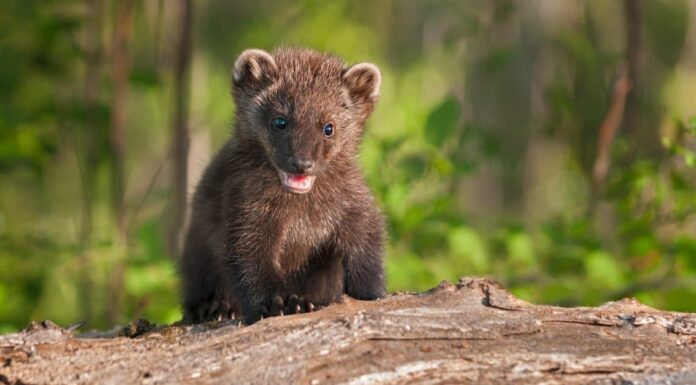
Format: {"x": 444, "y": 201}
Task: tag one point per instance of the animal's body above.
{"x": 282, "y": 220}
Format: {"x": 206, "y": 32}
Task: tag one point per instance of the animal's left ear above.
{"x": 254, "y": 70}
{"x": 363, "y": 81}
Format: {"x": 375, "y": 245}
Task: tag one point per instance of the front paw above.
{"x": 291, "y": 304}
{"x": 215, "y": 309}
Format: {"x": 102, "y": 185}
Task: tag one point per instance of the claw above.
{"x": 294, "y": 304}
{"x": 277, "y": 305}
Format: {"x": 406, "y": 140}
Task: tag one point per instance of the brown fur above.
{"x": 254, "y": 248}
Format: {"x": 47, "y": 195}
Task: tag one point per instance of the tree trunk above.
{"x": 120, "y": 70}
{"x": 623, "y": 107}
{"x": 643, "y": 137}
{"x": 88, "y": 145}
{"x": 180, "y": 132}
{"x": 472, "y": 332}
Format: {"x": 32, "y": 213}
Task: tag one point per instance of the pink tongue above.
{"x": 298, "y": 178}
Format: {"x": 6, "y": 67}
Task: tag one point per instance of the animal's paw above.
{"x": 291, "y": 304}
{"x": 215, "y": 309}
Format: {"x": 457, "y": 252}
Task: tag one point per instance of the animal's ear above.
{"x": 363, "y": 81}
{"x": 254, "y": 69}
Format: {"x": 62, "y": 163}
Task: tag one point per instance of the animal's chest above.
{"x": 302, "y": 234}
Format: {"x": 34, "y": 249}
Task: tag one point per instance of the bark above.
{"x": 471, "y": 332}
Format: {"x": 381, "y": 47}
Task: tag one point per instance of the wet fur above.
{"x": 249, "y": 240}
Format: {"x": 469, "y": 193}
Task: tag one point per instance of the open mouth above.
{"x": 297, "y": 183}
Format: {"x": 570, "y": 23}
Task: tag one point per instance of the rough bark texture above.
{"x": 471, "y": 332}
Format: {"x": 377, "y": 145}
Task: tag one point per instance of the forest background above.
{"x": 547, "y": 144}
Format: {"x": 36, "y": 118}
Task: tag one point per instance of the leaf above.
{"x": 667, "y": 142}
{"x": 442, "y": 165}
{"x": 408, "y": 272}
{"x": 642, "y": 245}
{"x": 414, "y": 165}
{"x": 603, "y": 270}
{"x": 150, "y": 240}
{"x": 690, "y": 158}
{"x": 442, "y": 121}
{"x": 680, "y": 299}
{"x": 520, "y": 250}
{"x": 691, "y": 125}
{"x": 466, "y": 243}
{"x": 395, "y": 200}
{"x": 685, "y": 248}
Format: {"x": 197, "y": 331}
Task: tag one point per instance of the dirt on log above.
{"x": 472, "y": 332}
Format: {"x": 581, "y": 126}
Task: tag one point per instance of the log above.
{"x": 469, "y": 332}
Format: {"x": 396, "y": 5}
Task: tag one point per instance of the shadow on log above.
{"x": 471, "y": 332}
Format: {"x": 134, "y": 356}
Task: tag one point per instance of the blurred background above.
{"x": 546, "y": 144}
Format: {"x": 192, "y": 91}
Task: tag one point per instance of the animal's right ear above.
{"x": 363, "y": 81}
{"x": 254, "y": 69}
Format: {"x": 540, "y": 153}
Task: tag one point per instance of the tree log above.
{"x": 471, "y": 332}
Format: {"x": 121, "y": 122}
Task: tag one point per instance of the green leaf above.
{"x": 408, "y": 272}
{"x": 685, "y": 248}
{"x": 690, "y": 158}
{"x": 414, "y": 165}
{"x": 691, "y": 125}
{"x": 521, "y": 250}
{"x": 642, "y": 245}
{"x": 680, "y": 299}
{"x": 442, "y": 121}
{"x": 603, "y": 270}
{"x": 442, "y": 165}
{"x": 396, "y": 198}
{"x": 667, "y": 142}
{"x": 466, "y": 243}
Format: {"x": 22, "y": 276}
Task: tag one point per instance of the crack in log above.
{"x": 598, "y": 371}
{"x": 581, "y": 322}
{"x": 472, "y": 338}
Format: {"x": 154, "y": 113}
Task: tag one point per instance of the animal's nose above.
{"x": 301, "y": 166}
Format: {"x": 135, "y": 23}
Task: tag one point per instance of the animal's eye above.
{"x": 328, "y": 130}
{"x": 280, "y": 123}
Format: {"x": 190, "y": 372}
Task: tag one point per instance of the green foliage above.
{"x": 480, "y": 151}
{"x": 442, "y": 122}
{"x": 667, "y": 24}
{"x": 24, "y": 265}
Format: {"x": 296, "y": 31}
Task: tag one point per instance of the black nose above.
{"x": 301, "y": 166}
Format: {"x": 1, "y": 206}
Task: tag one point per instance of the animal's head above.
{"x": 306, "y": 109}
